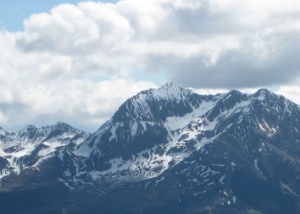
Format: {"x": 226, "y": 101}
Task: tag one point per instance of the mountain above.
{"x": 166, "y": 150}
{"x": 28, "y": 150}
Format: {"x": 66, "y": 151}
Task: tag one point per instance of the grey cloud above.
{"x": 237, "y": 68}
{"x": 14, "y": 113}
{"x": 200, "y": 22}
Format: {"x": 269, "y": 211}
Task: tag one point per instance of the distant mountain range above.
{"x": 166, "y": 150}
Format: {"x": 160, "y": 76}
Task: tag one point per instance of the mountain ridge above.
{"x": 173, "y": 151}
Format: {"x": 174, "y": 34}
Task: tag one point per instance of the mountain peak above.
{"x": 29, "y": 128}
{"x": 170, "y": 91}
{"x": 263, "y": 94}
{"x": 169, "y": 85}
{"x": 234, "y": 91}
{"x": 263, "y": 91}
{"x": 61, "y": 125}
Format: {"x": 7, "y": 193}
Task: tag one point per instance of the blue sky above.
{"x": 13, "y": 12}
{"x": 79, "y": 62}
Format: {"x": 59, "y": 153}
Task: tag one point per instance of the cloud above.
{"x": 83, "y": 102}
{"x": 212, "y": 41}
{"x": 79, "y": 62}
{"x": 248, "y": 66}
{"x": 76, "y": 30}
{"x": 292, "y": 92}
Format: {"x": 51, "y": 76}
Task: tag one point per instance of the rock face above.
{"x": 166, "y": 150}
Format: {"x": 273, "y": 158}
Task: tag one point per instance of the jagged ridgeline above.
{"x": 166, "y": 150}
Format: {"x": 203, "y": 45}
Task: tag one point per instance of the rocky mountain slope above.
{"x": 166, "y": 150}
{"x": 29, "y": 149}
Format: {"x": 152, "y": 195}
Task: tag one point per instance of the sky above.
{"x": 14, "y": 12}
{"x": 78, "y": 61}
